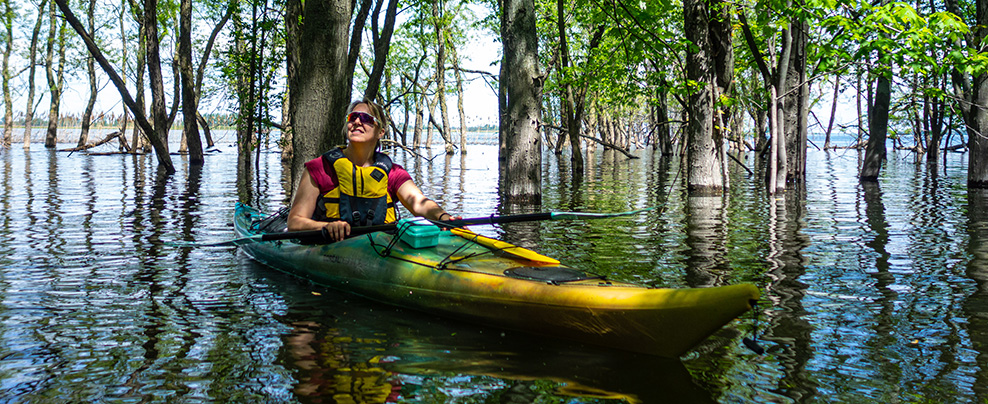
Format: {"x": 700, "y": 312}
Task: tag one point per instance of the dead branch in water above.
{"x": 389, "y": 142}
{"x": 107, "y": 139}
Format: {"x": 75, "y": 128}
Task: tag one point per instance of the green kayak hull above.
{"x": 462, "y": 279}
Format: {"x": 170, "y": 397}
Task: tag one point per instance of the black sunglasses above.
{"x": 363, "y": 116}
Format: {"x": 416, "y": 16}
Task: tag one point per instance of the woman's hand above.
{"x": 337, "y": 230}
{"x": 446, "y": 216}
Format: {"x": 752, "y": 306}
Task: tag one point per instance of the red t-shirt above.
{"x": 396, "y": 177}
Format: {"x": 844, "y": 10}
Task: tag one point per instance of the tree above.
{"x": 970, "y": 80}
{"x": 8, "y": 37}
{"x": 439, "y": 29}
{"x": 521, "y": 157}
{"x": 158, "y": 141}
{"x": 878, "y": 123}
{"x": 573, "y": 98}
{"x": 32, "y": 57}
{"x": 382, "y": 46}
{"x": 87, "y": 116}
{"x": 158, "y": 112}
{"x": 190, "y": 98}
{"x": 56, "y": 78}
{"x": 705, "y": 172}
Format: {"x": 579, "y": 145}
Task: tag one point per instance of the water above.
{"x": 871, "y": 293}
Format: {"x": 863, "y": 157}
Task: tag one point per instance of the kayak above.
{"x": 462, "y": 275}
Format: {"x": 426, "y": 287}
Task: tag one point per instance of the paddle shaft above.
{"x": 316, "y": 235}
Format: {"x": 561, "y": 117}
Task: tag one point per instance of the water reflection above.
{"x": 245, "y": 179}
{"x": 788, "y": 334}
{"x": 373, "y": 353}
{"x": 976, "y": 305}
{"x": 706, "y": 238}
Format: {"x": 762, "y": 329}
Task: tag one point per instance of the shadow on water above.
{"x": 356, "y": 350}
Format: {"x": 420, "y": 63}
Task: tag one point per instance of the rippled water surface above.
{"x": 870, "y": 292}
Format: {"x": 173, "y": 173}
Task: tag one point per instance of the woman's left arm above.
{"x": 416, "y": 202}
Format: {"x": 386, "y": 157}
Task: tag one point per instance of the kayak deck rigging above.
{"x": 551, "y": 274}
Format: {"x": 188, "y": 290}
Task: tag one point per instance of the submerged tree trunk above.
{"x": 320, "y": 89}
{"x": 440, "y": 32}
{"x": 796, "y": 104}
{"x": 460, "y": 95}
{"x": 703, "y": 173}
{"x": 934, "y": 109}
{"x": 138, "y": 141}
{"x": 568, "y": 118}
{"x": 32, "y": 58}
{"x": 293, "y": 13}
{"x": 521, "y": 159}
{"x": 833, "y": 112}
{"x": 8, "y": 104}
{"x": 158, "y": 111}
{"x": 663, "y": 127}
{"x": 56, "y": 77}
{"x": 722, "y": 58}
{"x": 382, "y": 47}
{"x": 878, "y": 123}
{"x": 87, "y": 116}
{"x": 189, "y": 96}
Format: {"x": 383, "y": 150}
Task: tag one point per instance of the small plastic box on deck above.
{"x": 418, "y": 232}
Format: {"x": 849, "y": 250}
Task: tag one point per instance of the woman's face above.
{"x": 360, "y": 129}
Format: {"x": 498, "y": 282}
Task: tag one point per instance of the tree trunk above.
{"x": 429, "y": 128}
{"x": 440, "y": 32}
{"x": 977, "y": 175}
{"x": 8, "y": 104}
{"x": 29, "y": 113}
{"x": 663, "y": 127}
{"x": 158, "y": 112}
{"x": 796, "y": 104}
{"x": 570, "y": 122}
{"x": 87, "y": 116}
{"x": 703, "y": 174}
{"x": 833, "y": 112}
{"x": 293, "y": 13}
{"x": 878, "y": 123}
{"x": 419, "y": 117}
{"x": 521, "y": 160}
{"x": 140, "y": 135}
{"x": 189, "y": 96}
{"x": 934, "y": 111}
{"x": 56, "y": 36}
{"x": 382, "y": 46}
{"x": 320, "y": 88}
{"x": 460, "y": 95}
{"x": 722, "y": 56}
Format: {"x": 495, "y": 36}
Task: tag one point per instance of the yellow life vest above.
{"x": 361, "y": 195}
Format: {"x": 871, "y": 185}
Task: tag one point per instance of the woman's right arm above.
{"x": 304, "y": 205}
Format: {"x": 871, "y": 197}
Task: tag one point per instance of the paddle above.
{"x": 320, "y": 235}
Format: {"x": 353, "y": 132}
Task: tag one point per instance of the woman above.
{"x": 356, "y": 185}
